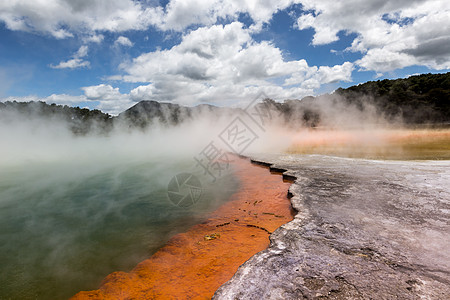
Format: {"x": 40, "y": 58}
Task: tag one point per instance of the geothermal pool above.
{"x": 73, "y": 210}
{"x": 65, "y": 225}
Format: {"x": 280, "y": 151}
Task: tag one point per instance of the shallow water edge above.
{"x": 195, "y": 263}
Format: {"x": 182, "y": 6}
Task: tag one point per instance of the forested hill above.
{"x": 418, "y": 99}
{"x": 421, "y": 99}
{"x": 79, "y": 120}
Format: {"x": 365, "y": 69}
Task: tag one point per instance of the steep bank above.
{"x": 194, "y": 264}
{"x": 365, "y": 230}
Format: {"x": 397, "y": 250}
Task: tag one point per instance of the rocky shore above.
{"x": 364, "y": 230}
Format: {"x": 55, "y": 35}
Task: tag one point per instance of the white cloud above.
{"x": 109, "y": 99}
{"x": 124, "y": 41}
{"x": 115, "y": 107}
{"x": 63, "y": 99}
{"x": 82, "y": 52}
{"x": 142, "y": 92}
{"x": 94, "y": 38}
{"x": 64, "y": 18}
{"x": 224, "y": 64}
{"x": 336, "y": 73}
{"x": 102, "y": 92}
{"x": 182, "y": 13}
{"x": 390, "y": 34}
{"x": 76, "y": 62}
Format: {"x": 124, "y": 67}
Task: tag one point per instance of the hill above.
{"x": 418, "y": 99}
{"x": 79, "y": 120}
{"x": 422, "y": 99}
{"x": 146, "y": 113}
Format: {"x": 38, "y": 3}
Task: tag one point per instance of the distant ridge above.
{"x": 421, "y": 99}
{"x": 147, "y": 112}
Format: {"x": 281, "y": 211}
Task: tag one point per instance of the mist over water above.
{"x": 74, "y": 209}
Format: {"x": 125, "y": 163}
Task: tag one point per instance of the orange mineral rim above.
{"x": 194, "y": 264}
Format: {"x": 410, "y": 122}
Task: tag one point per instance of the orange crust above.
{"x": 194, "y": 264}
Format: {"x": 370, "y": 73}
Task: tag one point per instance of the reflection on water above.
{"x": 65, "y": 226}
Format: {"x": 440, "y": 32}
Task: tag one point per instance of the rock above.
{"x": 210, "y": 237}
{"x": 364, "y": 230}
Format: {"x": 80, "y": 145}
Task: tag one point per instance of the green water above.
{"x": 65, "y": 226}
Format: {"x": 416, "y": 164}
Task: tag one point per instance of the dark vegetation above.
{"x": 417, "y": 100}
{"x": 80, "y": 120}
{"x": 422, "y": 99}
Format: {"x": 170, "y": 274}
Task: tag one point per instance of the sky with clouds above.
{"x": 111, "y": 54}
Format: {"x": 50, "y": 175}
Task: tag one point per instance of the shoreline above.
{"x": 196, "y": 263}
{"x": 359, "y": 223}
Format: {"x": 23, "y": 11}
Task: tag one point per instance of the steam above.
{"x": 306, "y": 126}
{"x": 70, "y": 202}
{"x": 36, "y": 139}
{"x": 66, "y": 187}
{"x": 40, "y": 140}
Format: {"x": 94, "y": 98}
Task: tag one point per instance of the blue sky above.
{"x": 111, "y": 54}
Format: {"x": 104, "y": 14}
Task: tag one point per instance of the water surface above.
{"x": 65, "y": 225}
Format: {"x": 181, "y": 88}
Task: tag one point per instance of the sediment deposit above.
{"x": 364, "y": 230}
